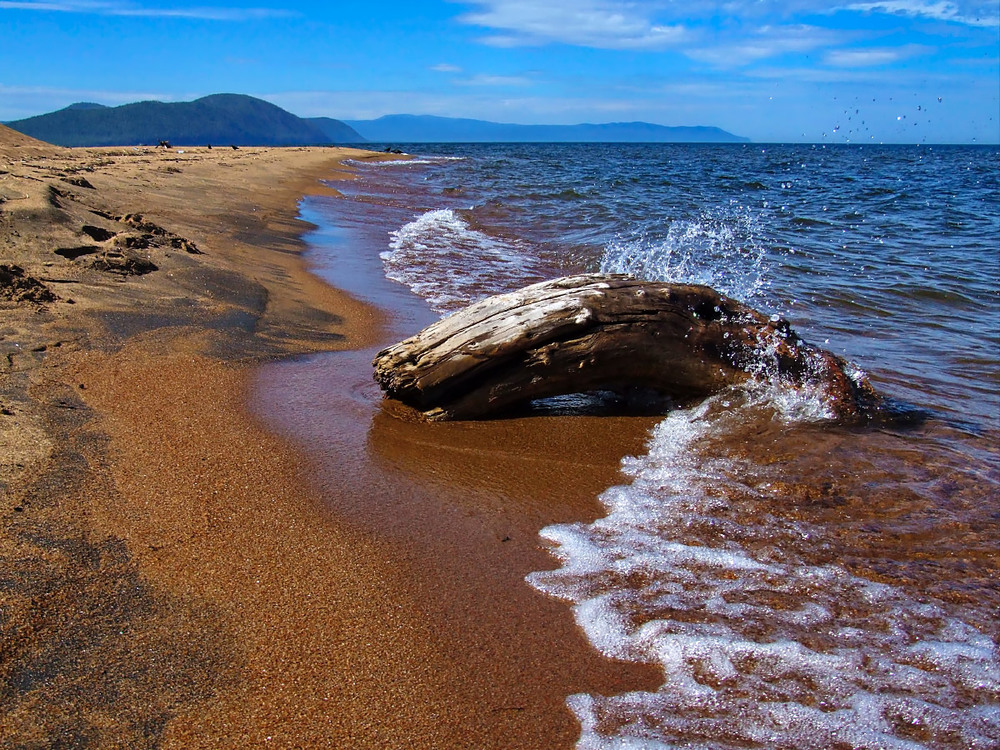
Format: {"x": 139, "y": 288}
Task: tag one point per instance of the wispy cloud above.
{"x": 871, "y": 58}
{"x": 95, "y": 95}
{"x": 602, "y": 24}
{"x": 364, "y": 105}
{"x": 765, "y": 42}
{"x": 484, "y": 79}
{"x": 28, "y": 101}
{"x": 969, "y": 14}
{"x": 446, "y": 68}
{"x": 204, "y": 13}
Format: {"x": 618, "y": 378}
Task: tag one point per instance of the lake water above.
{"x": 802, "y": 584}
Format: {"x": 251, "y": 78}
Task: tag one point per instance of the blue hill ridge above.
{"x": 430, "y": 129}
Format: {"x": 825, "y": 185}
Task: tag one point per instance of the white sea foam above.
{"x": 408, "y": 162}
{"x": 450, "y": 264}
{"x": 758, "y": 648}
{"x": 399, "y": 162}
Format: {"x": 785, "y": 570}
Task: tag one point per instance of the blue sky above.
{"x": 773, "y": 70}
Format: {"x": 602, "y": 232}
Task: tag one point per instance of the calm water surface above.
{"x": 802, "y": 584}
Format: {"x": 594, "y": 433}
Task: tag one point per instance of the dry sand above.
{"x": 175, "y": 574}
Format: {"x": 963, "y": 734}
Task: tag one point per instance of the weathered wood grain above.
{"x": 602, "y": 332}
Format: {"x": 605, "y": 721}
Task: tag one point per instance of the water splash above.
{"x": 722, "y": 249}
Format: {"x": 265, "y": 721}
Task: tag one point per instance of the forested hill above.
{"x": 222, "y": 119}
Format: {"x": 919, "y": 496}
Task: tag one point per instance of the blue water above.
{"x": 861, "y": 246}
{"x": 801, "y": 584}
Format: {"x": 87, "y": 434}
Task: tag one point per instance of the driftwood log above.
{"x": 603, "y": 332}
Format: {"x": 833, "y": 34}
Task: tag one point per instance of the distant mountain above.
{"x": 430, "y": 129}
{"x": 241, "y": 120}
{"x": 335, "y": 130}
{"x": 224, "y": 119}
{"x": 87, "y": 105}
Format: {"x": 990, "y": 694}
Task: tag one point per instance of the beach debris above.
{"x": 72, "y": 253}
{"x": 136, "y": 221}
{"x": 81, "y": 182}
{"x": 98, "y": 234}
{"x": 603, "y": 332}
{"x": 134, "y": 242}
{"x": 53, "y": 195}
{"x": 145, "y": 235}
{"x": 19, "y": 287}
{"x": 124, "y": 263}
{"x": 179, "y": 243}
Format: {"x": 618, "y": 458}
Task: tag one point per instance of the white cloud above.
{"x": 19, "y": 102}
{"x": 972, "y": 14}
{"x": 445, "y": 68}
{"x": 130, "y": 10}
{"x": 861, "y": 58}
{"x": 765, "y": 42}
{"x": 366, "y": 105}
{"x": 78, "y": 94}
{"x": 604, "y": 24}
{"x": 779, "y": 76}
{"x": 363, "y": 105}
{"x": 870, "y": 58}
{"x": 484, "y": 79}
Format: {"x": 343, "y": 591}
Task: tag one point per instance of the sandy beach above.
{"x": 175, "y": 572}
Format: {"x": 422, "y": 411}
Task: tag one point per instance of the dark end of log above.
{"x": 613, "y": 333}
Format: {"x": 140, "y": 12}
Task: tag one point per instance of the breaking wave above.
{"x": 450, "y": 264}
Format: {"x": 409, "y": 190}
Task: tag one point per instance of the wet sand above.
{"x": 184, "y": 563}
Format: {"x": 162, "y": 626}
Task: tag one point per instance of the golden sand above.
{"x": 173, "y": 572}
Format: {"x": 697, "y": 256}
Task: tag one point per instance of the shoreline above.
{"x": 188, "y": 576}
